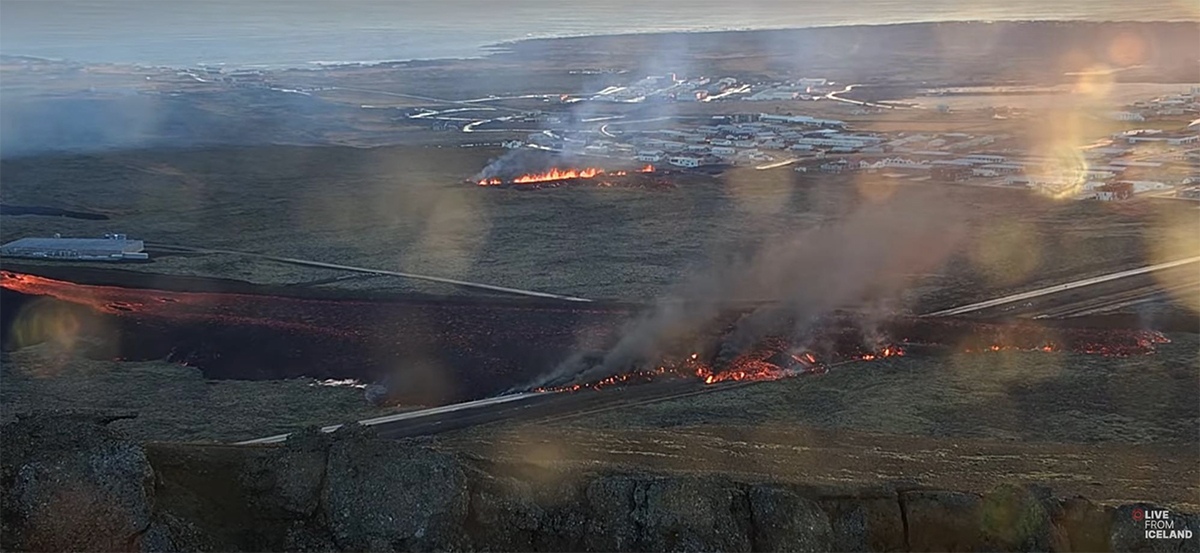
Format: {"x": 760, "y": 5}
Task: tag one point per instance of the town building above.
{"x": 685, "y": 161}
{"x": 1114, "y": 191}
{"x": 650, "y": 155}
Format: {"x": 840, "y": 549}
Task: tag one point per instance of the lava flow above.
{"x": 770, "y": 362}
{"x": 774, "y": 358}
{"x": 557, "y": 174}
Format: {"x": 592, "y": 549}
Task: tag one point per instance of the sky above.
{"x": 301, "y": 32}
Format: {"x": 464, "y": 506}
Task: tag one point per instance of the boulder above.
{"x": 1082, "y": 525}
{"x": 286, "y": 483}
{"x": 610, "y": 521}
{"x": 942, "y": 520}
{"x": 504, "y": 515}
{"x": 865, "y": 523}
{"x": 391, "y": 495}
{"x": 685, "y": 513}
{"x": 1013, "y": 518}
{"x": 693, "y": 514}
{"x": 784, "y": 521}
{"x": 71, "y": 483}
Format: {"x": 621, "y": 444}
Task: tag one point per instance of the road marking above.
{"x": 409, "y": 415}
{"x": 1061, "y": 287}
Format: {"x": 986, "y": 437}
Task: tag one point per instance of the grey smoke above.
{"x": 514, "y": 163}
{"x": 870, "y": 254}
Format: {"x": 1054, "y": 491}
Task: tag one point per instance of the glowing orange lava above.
{"x": 749, "y": 367}
{"x": 223, "y": 308}
{"x": 561, "y": 174}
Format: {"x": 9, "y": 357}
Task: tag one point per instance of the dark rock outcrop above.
{"x": 868, "y": 522}
{"x": 1129, "y": 531}
{"x": 70, "y": 483}
{"x": 784, "y": 521}
{"x": 1013, "y": 518}
{"x": 382, "y": 495}
{"x": 1082, "y": 525}
{"x": 691, "y": 514}
{"x": 942, "y": 521}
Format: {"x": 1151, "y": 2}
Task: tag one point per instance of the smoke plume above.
{"x": 870, "y": 254}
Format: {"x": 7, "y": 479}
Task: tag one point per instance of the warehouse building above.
{"x": 113, "y": 247}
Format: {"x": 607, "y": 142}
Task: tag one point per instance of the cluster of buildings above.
{"x": 704, "y": 89}
{"x": 1163, "y": 107}
{"x": 1129, "y": 163}
{"x": 743, "y": 138}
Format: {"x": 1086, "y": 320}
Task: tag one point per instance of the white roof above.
{"x": 75, "y": 244}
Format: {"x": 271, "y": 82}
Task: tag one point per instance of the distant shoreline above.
{"x": 515, "y": 45}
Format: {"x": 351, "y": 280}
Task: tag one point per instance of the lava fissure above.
{"x": 557, "y": 174}
{"x": 775, "y": 358}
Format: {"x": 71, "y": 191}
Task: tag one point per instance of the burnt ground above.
{"x": 439, "y": 350}
{"x": 442, "y": 351}
{"x": 1112, "y": 428}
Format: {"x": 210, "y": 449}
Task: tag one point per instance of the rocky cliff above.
{"x": 70, "y": 483}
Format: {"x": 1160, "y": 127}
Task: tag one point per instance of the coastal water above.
{"x": 306, "y": 32}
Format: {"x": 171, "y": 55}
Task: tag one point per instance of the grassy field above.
{"x": 1010, "y": 396}
{"x": 173, "y": 402}
{"x": 1112, "y": 429}
{"x": 407, "y": 208}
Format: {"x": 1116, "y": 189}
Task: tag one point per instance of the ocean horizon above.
{"x": 310, "y": 33}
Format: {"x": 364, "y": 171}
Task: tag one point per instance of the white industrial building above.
{"x": 113, "y": 247}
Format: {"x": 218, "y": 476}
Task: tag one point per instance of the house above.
{"x": 684, "y": 161}
{"x": 1126, "y": 116}
{"x": 1115, "y": 191}
{"x": 838, "y": 166}
{"x": 952, "y": 173}
{"x": 984, "y": 159}
{"x": 1188, "y": 192}
{"x": 650, "y": 155}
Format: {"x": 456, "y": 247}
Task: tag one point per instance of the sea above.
{"x": 307, "y": 33}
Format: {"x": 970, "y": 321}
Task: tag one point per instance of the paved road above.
{"x": 834, "y": 96}
{"x": 1065, "y": 287}
{"x": 421, "y": 98}
{"x": 1080, "y": 297}
{"x": 526, "y": 407}
{"x": 367, "y": 270}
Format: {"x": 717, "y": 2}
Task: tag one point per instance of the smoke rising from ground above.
{"x": 514, "y": 163}
{"x": 869, "y": 255}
